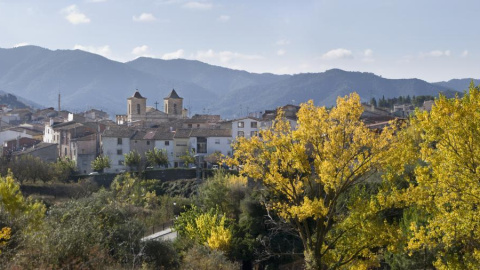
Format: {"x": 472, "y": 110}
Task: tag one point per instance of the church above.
{"x": 139, "y": 114}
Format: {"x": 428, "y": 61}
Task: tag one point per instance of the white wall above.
{"x": 110, "y": 146}
{"x": 223, "y": 146}
{"x": 247, "y": 127}
{"x": 8, "y": 135}
{"x": 160, "y": 144}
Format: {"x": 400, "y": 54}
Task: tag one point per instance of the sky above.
{"x": 431, "y": 40}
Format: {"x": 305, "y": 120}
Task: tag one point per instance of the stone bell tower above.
{"x": 137, "y": 107}
{"x": 173, "y": 104}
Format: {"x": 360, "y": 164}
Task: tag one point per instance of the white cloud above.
{"x": 464, "y": 53}
{"x": 224, "y": 56}
{"x": 96, "y": 1}
{"x": 368, "y": 53}
{"x": 368, "y": 56}
{"x": 74, "y": 16}
{"x": 224, "y": 18}
{"x": 281, "y": 52}
{"x": 102, "y": 50}
{"x": 198, "y": 5}
{"x": 339, "y": 53}
{"x": 21, "y": 44}
{"x": 168, "y": 2}
{"x": 144, "y": 17}
{"x": 436, "y": 53}
{"x": 141, "y": 51}
{"x": 283, "y": 42}
{"x": 174, "y": 55}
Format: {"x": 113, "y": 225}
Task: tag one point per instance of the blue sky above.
{"x": 431, "y": 40}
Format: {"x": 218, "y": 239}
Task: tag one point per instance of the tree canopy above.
{"x": 309, "y": 171}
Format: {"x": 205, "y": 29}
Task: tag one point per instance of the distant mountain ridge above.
{"x": 459, "y": 85}
{"x": 87, "y": 80}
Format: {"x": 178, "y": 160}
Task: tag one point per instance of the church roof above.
{"x": 137, "y": 95}
{"x": 173, "y": 94}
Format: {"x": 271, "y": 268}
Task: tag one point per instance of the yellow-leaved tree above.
{"x": 447, "y": 182}
{"x": 316, "y": 176}
{"x": 19, "y": 216}
{"x": 209, "y": 229}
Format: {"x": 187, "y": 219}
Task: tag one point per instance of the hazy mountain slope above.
{"x": 88, "y": 80}
{"x": 219, "y": 80}
{"x": 458, "y": 84}
{"x": 323, "y": 88}
{"x": 84, "y": 80}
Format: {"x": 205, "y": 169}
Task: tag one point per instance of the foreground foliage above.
{"x": 310, "y": 174}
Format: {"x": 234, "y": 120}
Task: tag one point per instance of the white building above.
{"x": 245, "y": 127}
{"x": 115, "y": 143}
{"x": 209, "y": 141}
{"x": 18, "y": 132}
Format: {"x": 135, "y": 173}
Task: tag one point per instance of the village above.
{"x": 53, "y": 135}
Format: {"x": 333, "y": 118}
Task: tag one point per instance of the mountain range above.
{"x": 87, "y": 80}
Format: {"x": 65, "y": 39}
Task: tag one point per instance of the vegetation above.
{"x": 310, "y": 172}
{"x": 133, "y": 160}
{"x": 331, "y": 194}
{"x": 157, "y": 157}
{"x": 416, "y": 101}
{"x": 101, "y": 163}
{"x": 188, "y": 158}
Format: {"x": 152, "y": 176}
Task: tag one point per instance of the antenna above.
{"x": 59, "y": 98}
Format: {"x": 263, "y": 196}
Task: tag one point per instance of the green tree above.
{"x": 63, "y": 169}
{"x": 133, "y": 160}
{"x": 96, "y": 232}
{"x": 313, "y": 177}
{"x": 188, "y": 158}
{"x": 100, "y": 163}
{"x": 28, "y": 167}
{"x": 157, "y": 157}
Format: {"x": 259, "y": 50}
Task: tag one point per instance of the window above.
{"x": 189, "y": 125}
{"x": 198, "y": 125}
{"x": 253, "y": 133}
{"x": 217, "y": 141}
{"x": 119, "y": 140}
{"x": 167, "y": 143}
{"x": 148, "y": 142}
{"x": 138, "y": 108}
{"x": 119, "y": 152}
{"x": 229, "y": 141}
{"x": 253, "y": 124}
{"x": 120, "y": 162}
{"x": 240, "y": 134}
{"x": 241, "y": 124}
{"x": 202, "y": 145}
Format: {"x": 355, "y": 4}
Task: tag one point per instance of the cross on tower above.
{"x": 156, "y": 103}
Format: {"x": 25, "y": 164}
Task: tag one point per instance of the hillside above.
{"x": 85, "y": 80}
{"x": 88, "y": 80}
{"x": 323, "y": 89}
{"x": 459, "y": 85}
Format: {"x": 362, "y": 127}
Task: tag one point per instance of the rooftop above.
{"x": 174, "y": 95}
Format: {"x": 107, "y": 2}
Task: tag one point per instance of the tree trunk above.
{"x": 312, "y": 262}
